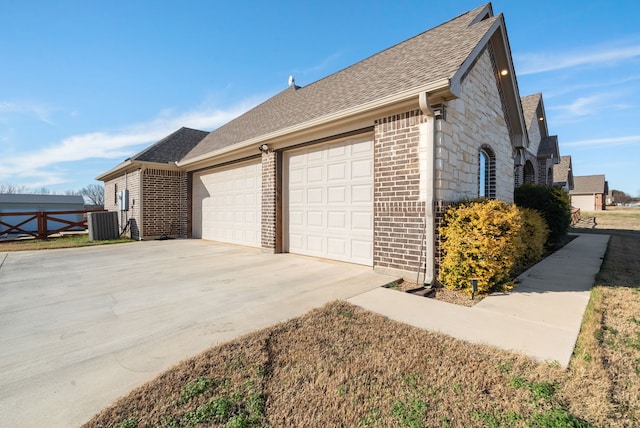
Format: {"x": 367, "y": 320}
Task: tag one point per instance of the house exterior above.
{"x": 21, "y": 203}
{"x": 535, "y": 164}
{"x": 358, "y": 166}
{"x": 589, "y": 192}
{"x": 563, "y": 174}
{"x": 152, "y": 188}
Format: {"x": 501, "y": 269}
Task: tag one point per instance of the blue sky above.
{"x": 86, "y": 84}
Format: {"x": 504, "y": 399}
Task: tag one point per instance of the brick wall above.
{"x": 269, "y": 200}
{"x": 131, "y": 182}
{"x": 164, "y": 203}
{"x": 399, "y": 215}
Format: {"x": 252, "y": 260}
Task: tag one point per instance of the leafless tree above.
{"x": 12, "y": 188}
{"x": 95, "y": 194}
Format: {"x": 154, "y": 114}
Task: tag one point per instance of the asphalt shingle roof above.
{"x": 428, "y": 57}
{"x": 589, "y": 184}
{"x": 562, "y": 169}
{"x": 529, "y": 106}
{"x": 173, "y": 147}
{"x": 548, "y": 146}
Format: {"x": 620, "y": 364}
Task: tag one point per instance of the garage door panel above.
{"x": 329, "y": 208}
{"x": 227, "y": 204}
{"x": 362, "y": 169}
{"x": 337, "y": 171}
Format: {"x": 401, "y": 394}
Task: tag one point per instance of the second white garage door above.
{"x": 227, "y": 204}
{"x": 329, "y": 201}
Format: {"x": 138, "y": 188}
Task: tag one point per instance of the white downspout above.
{"x": 141, "y": 204}
{"x": 427, "y": 156}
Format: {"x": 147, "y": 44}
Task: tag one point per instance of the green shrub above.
{"x": 482, "y": 240}
{"x": 534, "y": 234}
{"x": 554, "y": 205}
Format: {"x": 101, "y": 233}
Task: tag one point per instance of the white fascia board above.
{"x": 436, "y": 86}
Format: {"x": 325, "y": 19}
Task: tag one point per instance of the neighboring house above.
{"x": 358, "y": 166}
{"x": 589, "y": 192}
{"x": 535, "y": 164}
{"x": 148, "y": 189}
{"x": 563, "y": 174}
{"x": 19, "y": 203}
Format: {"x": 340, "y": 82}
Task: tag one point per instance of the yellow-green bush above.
{"x": 534, "y": 234}
{"x": 486, "y": 240}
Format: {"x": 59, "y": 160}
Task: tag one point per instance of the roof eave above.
{"x": 130, "y": 165}
{"x": 442, "y": 85}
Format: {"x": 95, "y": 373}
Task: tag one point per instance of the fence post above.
{"x": 42, "y": 225}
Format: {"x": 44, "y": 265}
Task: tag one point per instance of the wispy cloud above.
{"x": 587, "y": 106}
{"x": 41, "y": 166}
{"x": 604, "y": 142}
{"x": 566, "y": 89}
{"x": 598, "y": 55}
{"x": 41, "y": 111}
{"x": 319, "y": 68}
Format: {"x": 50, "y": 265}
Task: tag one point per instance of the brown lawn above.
{"x": 343, "y": 366}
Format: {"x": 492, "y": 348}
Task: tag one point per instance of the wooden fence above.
{"x": 43, "y": 220}
{"x": 575, "y": 215}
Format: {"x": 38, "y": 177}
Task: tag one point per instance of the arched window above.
{"x": 487, "y": 173}
{"x": 529, "y": 173}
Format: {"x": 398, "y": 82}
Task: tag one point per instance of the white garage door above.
{"x": 584, "y": 202}
{"x": 329, "y": 201}
{"x": 227, "y": 204}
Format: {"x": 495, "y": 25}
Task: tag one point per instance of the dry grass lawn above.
{"x": 343, "y": 366}
{"x": 67, "y": 241}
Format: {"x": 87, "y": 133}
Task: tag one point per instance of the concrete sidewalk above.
{"x": 540, "y": 318}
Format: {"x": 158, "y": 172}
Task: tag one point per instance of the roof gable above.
{"x": 549, "y": 148}
{"x": 589, "y": 184}
{"x": 173, "y": 147}
{"x": 562, "y": 172}
{"x": 437, "y": 56}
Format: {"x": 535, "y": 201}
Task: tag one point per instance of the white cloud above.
{"x": 41, "y": 111}
{"x": 598, "y": 55}
{"x": 40, "y": 166}
{"x": 604, "y": 142}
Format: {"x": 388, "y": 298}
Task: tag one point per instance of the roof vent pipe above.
{"x": 427, "y": 155}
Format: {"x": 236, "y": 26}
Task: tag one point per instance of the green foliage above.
{"x": 554, "y": 205}
{"x": 482, "y": 240}
{"x": 557, "y": 418}
{"x": 131, "y": 422}
{"x": 534, "y": 235}
{"x": 197, "y": 387}
{"x": 411, "y": 413}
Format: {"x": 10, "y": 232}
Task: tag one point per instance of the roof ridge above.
{"x": 405, "y": 41}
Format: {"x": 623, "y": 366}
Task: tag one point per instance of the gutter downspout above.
{"x": 428, "y": 183}
{"x": 141, "y": 203}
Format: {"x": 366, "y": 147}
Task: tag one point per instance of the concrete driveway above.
{"x": 81, "y": 327}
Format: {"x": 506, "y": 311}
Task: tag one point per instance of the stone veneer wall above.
{"x": 130, "y": 181}
{"x": 269, "y": 200}
{"x": 164, "y": 204}
{"x": 474, "y": 119}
